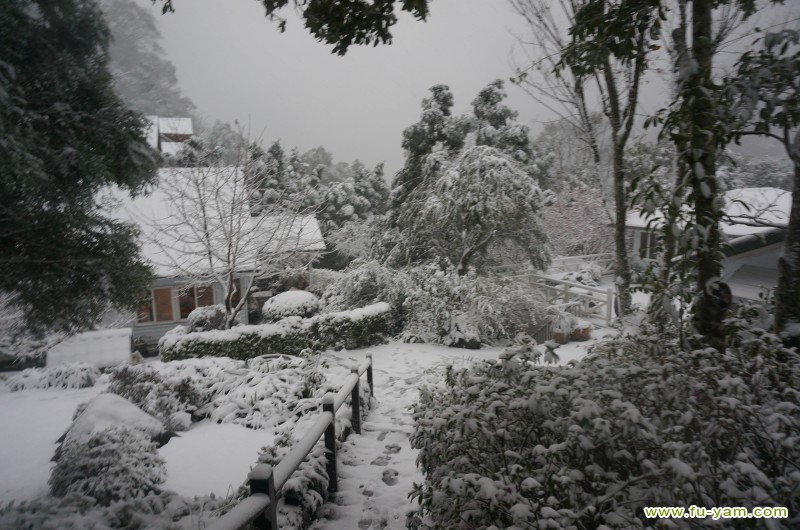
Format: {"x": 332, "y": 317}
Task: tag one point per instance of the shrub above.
{"x": 290, "y": 304}
{"x": 78, "y": 375}
{"x": 320, "y": 279}
{"x": 114, "y": 464}
{"x": 170, "y": 399}
{"x": 350, "y": 329}
{"x": 363, "y": 284}
{"x": 207, "y": 318}
{"x": 639, "y": 422}
{"x": 432, "y": 305}
{"x": 162, "y": 511}
{"x": 271, "y": 390}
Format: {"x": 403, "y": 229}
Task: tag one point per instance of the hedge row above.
{"x": 346, "y": 329}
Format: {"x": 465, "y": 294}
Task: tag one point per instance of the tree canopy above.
{"x": 463, "y": 179}
{"x": 64, "y": 136}
{"x": 341, "y": 23}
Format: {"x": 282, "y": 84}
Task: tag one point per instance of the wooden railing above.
{"x": 259, "y": 510}
{"x": 578, "y": 299}
{"x": 575, "y": 263}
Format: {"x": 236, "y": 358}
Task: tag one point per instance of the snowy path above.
{"x": 378, "y": 467}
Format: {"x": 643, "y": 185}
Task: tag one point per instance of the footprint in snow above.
{"x": 392, "y": 449}
{"x": 390, "y": 477}
{"x": 381, "y": 461}
{"x": 382, "y": 436}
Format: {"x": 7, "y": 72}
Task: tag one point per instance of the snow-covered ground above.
{"x": 377, "y": 468}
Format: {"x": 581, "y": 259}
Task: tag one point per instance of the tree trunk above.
{"x": 622, "y": 270}
{"x": 701, "y": 160}
{"x": 787, "y": 295}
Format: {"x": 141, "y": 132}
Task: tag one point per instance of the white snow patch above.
{"x": 212, "y": 458}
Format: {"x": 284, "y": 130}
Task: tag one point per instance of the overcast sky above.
{"x": 235, "y": 65}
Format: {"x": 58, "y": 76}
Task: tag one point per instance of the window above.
{"x": 168, "y": 304}
{"x": 162, "y": 301}
{"x": 648, "y": 243}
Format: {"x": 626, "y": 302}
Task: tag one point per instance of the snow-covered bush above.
{"x": 114, "y": 464}
{"x": 206, "y": 318}
{"x": 640, "y": 422}
{"x": 290, "y": 304}
{"x": 78, "y": 375}
{"x": 320, "y": 279}
{"x": 351, "y": 329}
{"x": 170, "y": 399}
{"x": 364, "y": 283}
{"x": 432, "y": 305}
{"x": 259, "y": 393}
{"x": 108, "y": 410}
{"x": 156, "y": 511}
{"x": 267, "y": 391}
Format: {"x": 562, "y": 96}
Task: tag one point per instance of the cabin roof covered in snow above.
{"x": 178, "y": 251}
{"x": 748, "y": 281}
{"x": 751, "y": 211}
{"x": 182, "y": 126}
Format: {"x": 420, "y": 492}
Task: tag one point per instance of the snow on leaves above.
{"x": 512, "y": 444}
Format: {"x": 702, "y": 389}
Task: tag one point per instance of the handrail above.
{"x": 265, "y": 481}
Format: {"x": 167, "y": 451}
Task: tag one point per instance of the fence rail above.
{"x": 580, "y": 300}
{"x": 259, "y": 510}
{"x": 574, "y": 263}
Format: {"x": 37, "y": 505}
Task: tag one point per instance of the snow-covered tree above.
{"x": 143, "y": 77}
{"x": 212, "y": 237}
{"x": 476, "y": 198}
{"x": 766, "y": 92}
{"x": 577, "y": 223}
{"x": 370, "y": 186}
{"x": 463, "y": 179}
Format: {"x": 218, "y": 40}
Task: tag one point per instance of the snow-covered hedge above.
{"x": 349, "y": 329}
{"x": 78, "y": 375}
{"x": 290, "y": 304}
{"x": 110, "y": 465}
{"x": 510, "y": 444}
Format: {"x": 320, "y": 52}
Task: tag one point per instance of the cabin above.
{"x": 754, "y": 232}
{"x": 172, "y": 247}
{"x": 167, "y": 135}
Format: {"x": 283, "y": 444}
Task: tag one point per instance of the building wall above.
{"x": 147, "y": 334}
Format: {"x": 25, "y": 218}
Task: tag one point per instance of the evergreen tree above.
{"x": 143, "y": 77}
{"x": 64, "y": 136}
{"x": 464, "y": 178}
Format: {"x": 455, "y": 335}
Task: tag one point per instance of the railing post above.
{"x": 369, "y": 376}
{"x": 330, "y": 442}
{"x": 355, "y": 403}
{"x": 262, "y": 480}
{"x": 609, "y": 305}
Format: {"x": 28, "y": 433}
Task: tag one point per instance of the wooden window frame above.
{"x": 175, "y": 298}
